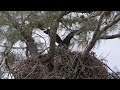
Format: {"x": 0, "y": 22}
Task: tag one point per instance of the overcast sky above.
{"x": 111, "y": 50}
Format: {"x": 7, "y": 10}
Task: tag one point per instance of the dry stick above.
{"x": 31, "y": 71}
{"x": 107, "y": 54}
{"x": 112, "y": 71}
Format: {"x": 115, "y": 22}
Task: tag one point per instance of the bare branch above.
{"x": 112, "y": 71}
{"x": 110, "y": 36}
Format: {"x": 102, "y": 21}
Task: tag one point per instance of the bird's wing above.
{"x": 66, "y": 41}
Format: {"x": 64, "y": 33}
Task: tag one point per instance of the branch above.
{"x": 116, "y": 16}
{"x": 112, "y": 71}
{"x": 13, "y": 47}
{"x": 110, "y": 36}
{"x": 94, "y": 39}
{"x": 110, "y": 25}
{"x": 98, "y": 33}
{"x": 98, "y": 26}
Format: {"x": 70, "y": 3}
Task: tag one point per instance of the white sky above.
{"x": 111, "y": 50}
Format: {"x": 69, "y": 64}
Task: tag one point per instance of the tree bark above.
{"x": 110, "y": 36}
{"x": 95, "y": 35}
{"x": 27, "y": 36}
{"x": 53, "y": 31}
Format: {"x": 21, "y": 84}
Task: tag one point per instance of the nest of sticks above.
{"x": 67, "y": 65}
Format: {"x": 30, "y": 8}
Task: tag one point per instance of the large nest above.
{"x": 67, "y": 65}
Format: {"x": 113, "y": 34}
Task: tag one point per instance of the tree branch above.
{"x": 98, "y": 33}
{"x": 110, "y": 25}
{"x": 94, "y": 39}
{"x": 13, "y": 47}
{"x": 26, "y": 33}
{"x": 98, "y": 26}
{"x": 110, "y": 36}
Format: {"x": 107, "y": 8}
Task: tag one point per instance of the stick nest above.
{"x": 67, "y": 65}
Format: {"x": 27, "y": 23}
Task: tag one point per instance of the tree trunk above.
{"x": 27, "y": 36}
{"x": 31, "y": 47}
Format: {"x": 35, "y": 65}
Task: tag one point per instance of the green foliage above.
{"x": 47, "y": 18}
{"x": 89, "y": 25}
{"x": 12, "y": 35}
{"x": 11, "y": 58}
{"x": 2, "y": 36}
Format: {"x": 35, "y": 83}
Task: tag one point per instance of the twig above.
{"x": 112, "y": 71}
{"x": 31, "y": 71}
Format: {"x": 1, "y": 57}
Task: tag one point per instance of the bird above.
{"x": 63, "y": 43}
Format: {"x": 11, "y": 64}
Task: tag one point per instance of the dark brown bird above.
{"x": 66, "y": 42}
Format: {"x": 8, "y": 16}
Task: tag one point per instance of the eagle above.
{"x": 63, "y": 43}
